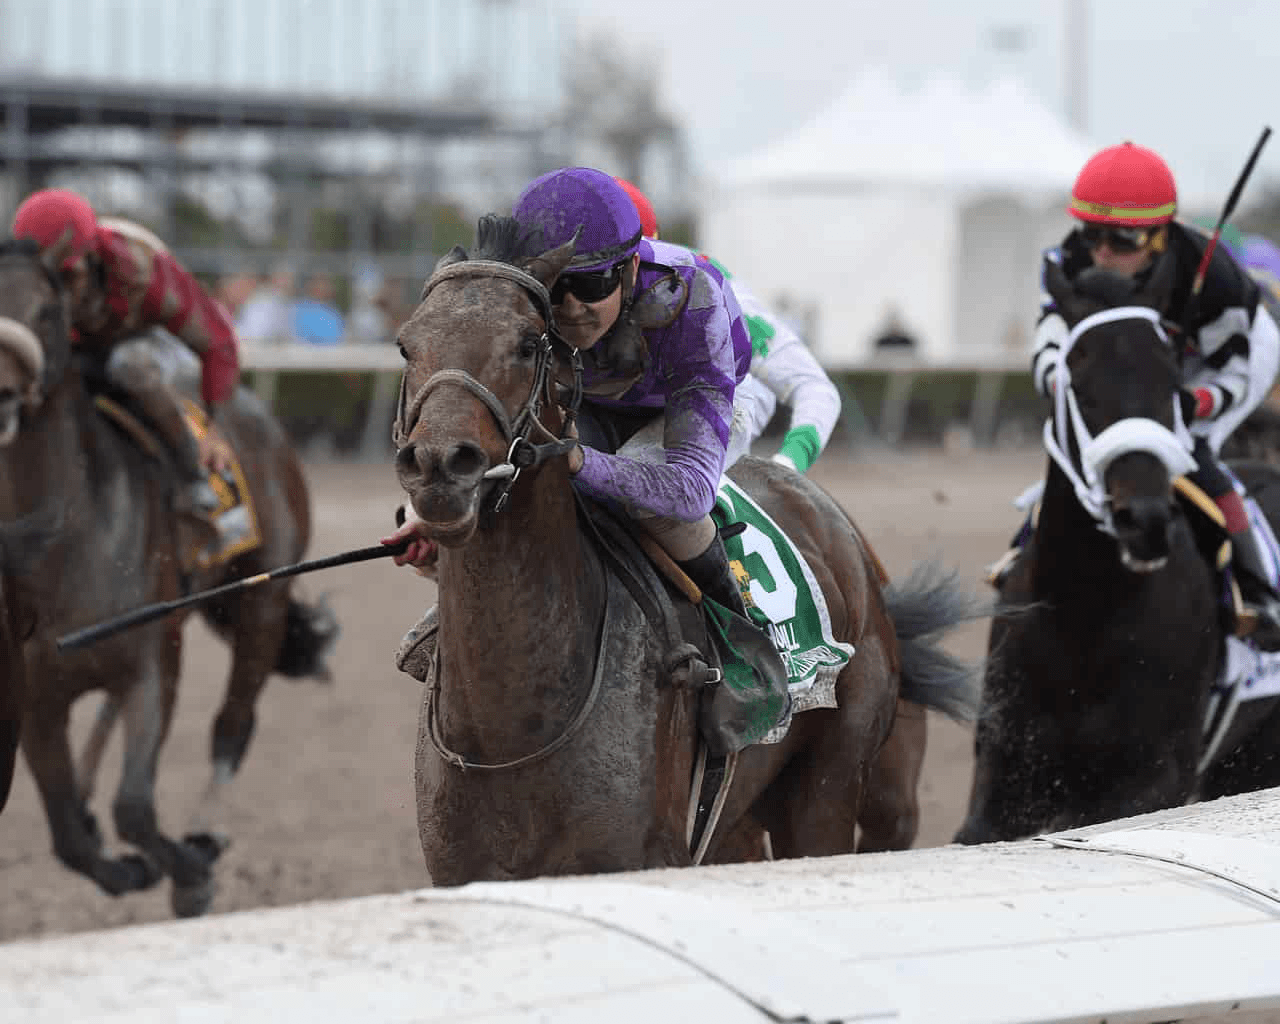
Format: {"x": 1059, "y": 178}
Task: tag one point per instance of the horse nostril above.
{"x": 465, "y": 461}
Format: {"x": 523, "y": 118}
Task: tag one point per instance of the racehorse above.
{"x": 1110, "y": 633}
{"x": 22, "y": 545}
{"x": 117, "y": 547}
{"x": 553, "y": 738}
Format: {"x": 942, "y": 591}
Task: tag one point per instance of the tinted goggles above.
{"x": 1118, "y": 239}
{"x": 587, "y": 287}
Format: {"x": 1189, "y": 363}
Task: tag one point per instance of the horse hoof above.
{"x": 208, "y": 846}
{"x": 193, "y": 900}
{"x": 138, "y": 872}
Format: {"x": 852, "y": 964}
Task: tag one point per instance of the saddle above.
{"x": 235, "y": 517}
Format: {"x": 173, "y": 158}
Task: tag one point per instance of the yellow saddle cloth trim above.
{"x": 1191, "y": 492}
{"x": 236, "y": 516}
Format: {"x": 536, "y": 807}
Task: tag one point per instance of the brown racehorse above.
{"x": 22, "y": 545}
{"x": 117, "y": 547}
{"x": 555, "y": 742}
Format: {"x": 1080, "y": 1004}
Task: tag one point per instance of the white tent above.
{"x": 934, "y": 203}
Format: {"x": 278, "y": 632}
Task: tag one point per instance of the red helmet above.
{"x": 1127, "y": 185}
{"x": 57, "y": 219}
{"x": 648, "y": 219}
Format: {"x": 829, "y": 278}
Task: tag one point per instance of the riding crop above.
{"x": 151, "y": 612}
{"x": 1198, "y": 282}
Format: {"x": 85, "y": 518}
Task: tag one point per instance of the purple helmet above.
{"x": 562, "y": 201}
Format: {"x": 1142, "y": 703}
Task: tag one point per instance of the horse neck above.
{"x": 521, "y": 602}
{"x": 50, "y": 457}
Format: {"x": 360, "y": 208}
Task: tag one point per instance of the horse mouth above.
{"x": 1142, "y": 566}
{"x": 447, "y": 530}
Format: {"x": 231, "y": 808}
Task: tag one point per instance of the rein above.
{"x": 522, "y": 453}
{"x": 1067, "y": 426}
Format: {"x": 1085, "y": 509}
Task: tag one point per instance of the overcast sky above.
{"x": 1194, "y": 79}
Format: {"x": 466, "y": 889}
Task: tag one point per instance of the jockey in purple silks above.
{"x": 664, "y": 347}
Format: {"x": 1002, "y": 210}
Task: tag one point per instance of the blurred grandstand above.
{"x": 315, "y": 154}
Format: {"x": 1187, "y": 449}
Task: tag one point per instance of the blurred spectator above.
{"x": 894, "y": 336}
{"x": 316, "y": 319}
{"x": 266, "y": 317}
{"x": 397, "y": 300}
{"x": 368, "y": 323}
{"x": 233, "y": 291}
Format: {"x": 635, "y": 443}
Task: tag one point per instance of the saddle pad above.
{"x": 782, "y": 596}
{"x": 236, "y": 518}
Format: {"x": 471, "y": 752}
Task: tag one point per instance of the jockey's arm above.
{"x": 698, "y": 412}
{"x": 1239, "y": 356}
{"x": 175, "y": 300}
{"x": 795, "y": 376}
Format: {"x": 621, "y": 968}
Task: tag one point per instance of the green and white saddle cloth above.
{"x": 783, "y": 597}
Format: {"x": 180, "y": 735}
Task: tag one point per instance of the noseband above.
{"x": 1172, "y": 447}
{"x": 521, "y": 452}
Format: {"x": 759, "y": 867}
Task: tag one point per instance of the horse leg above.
{"x": 812, "y": 808}
{"x": 146, "y": 715}
{"x": 254, "y": 626}
{"x": 890, "y": 814}
{"x": 77, "y": 841}
{"x": 95, "y": 745}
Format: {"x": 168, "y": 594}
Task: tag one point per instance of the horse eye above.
{"x": 528, "y": 346}
{"x": 403, "y": 354}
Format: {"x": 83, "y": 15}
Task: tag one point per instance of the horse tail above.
{"x": 923, "y": 607}
{"x": 310, "y": 632}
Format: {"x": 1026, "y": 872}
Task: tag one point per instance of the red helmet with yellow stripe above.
{"x": 1126, "y": 184}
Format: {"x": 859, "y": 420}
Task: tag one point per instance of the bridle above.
{"x": 1066, "y": 428}
{"x": 522, "y": 453}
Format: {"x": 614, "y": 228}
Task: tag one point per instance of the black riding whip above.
{"x": 151, "y": 612}
{"x": 1227, "y": 211}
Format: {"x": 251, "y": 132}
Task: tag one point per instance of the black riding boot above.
{"x": 711, "y": 572}
{"x": 738, "y": 713}
{"x": 1255, "y": 590}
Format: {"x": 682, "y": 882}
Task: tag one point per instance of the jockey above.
{"x": 664, "y": 347}
{"x": 121, "y": 282}
{"x": 1125, "y": 198}
{"x": 780, "y": 360}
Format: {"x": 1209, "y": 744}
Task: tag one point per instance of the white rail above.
{"x": 991, "y": 372}
{"x": 1169, "y": 916}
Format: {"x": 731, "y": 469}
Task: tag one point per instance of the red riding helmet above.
{"x": 1126, "y": 184}
{"x": 648, "y": 219}
{"x": 57, "y": 218}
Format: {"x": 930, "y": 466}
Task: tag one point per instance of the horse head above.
{"x": 1117, "y": 431}
{"x": 482, "y": 361}
{"x": 35, "y": 344}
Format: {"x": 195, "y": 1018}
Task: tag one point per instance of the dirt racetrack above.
{"x": 323, "y": 807}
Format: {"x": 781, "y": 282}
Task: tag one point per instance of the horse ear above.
{"x": 455, "y": 255}
{"x": 1159, "y": 287}
{"x": 1056, "y": 283}
{"x": 547, "y": 266}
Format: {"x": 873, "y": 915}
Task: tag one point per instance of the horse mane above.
{"x": 504, "y": 240}
{"x": 1105, "y": 286}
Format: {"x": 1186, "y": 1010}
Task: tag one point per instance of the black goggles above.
{"x": 1118, "y": 239}
{"x": 592, "y": 287}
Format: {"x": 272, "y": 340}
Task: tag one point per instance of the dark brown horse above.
{"x": 1109, "y": 637}
{"x": 22, "y": 546}
{"x": 117, "y": 547}
{"x": 555, "y": 742}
